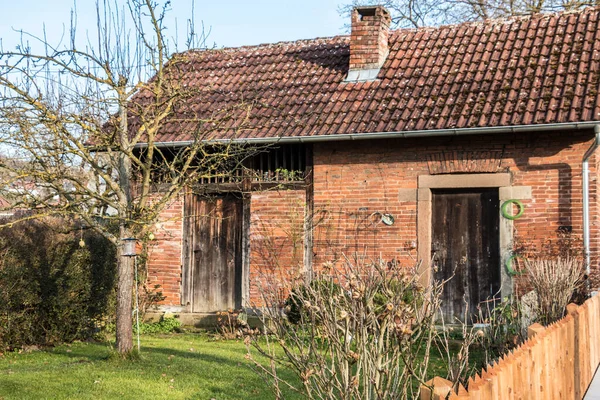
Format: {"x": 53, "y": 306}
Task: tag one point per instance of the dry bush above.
{"x": 233, "y": 324}
{"x": 554, "y": 281}
{"x": 149, "y": 297}
{"x": 364, "y": 331}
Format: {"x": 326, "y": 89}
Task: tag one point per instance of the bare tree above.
{"x": 85, "y": 118}
{"x": 419, "y": 13}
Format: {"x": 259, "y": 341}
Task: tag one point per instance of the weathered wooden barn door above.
{"x": 212, "y": 278}
{"x": 465, "y": 247}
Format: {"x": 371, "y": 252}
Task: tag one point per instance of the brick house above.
{"x": 403, "y": 145}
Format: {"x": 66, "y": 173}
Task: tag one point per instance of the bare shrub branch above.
{"x": 554, "y": 281}
{"x": 359, "y": 330}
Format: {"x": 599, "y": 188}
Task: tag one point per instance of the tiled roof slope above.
{"x": 536, "y": 70}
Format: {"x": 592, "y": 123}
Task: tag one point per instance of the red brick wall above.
{"x": 164, "y": 257}
{"x": 276, "y": 240}
{"x": 277, "y": 250}
{"x": 353, "y": 180}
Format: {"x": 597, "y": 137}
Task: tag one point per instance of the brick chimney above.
{"x": 368, "y": 42}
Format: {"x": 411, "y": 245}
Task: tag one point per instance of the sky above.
{"x": 231, "y": 23}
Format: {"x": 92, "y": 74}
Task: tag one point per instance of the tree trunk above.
{"x": 124, "y": 264}
{"x": 124, "y": 331}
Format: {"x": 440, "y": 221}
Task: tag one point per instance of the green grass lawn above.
{"x": 177, "y": 366}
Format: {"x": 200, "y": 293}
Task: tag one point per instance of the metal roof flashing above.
{"x": 362, "y": 75}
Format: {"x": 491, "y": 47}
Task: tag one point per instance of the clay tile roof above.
{"x": 522, "y": 71}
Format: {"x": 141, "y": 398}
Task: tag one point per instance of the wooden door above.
{"x": 212, "y": 248}
{"x": 465, "y": 249}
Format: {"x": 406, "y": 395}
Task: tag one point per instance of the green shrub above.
{"x": 166, "y": 324}
{"x": 406, "y": 290}
{"x": 502, "y": 328}
{"x": 294, "y": 308}
{"x": 52, "y": 289}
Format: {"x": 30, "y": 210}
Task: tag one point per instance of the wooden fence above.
{"x": 557, "y": 362}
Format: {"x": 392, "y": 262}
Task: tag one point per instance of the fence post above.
{"x": 534, "y": 330}
{"x": 572, "y": 311}
{"x": 436, "y": 389}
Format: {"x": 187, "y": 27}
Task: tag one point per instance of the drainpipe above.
{"x": 586, "y": 197}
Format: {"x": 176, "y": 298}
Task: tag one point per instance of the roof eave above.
{"x": 567, "y": 126}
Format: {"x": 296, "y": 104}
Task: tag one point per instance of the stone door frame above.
{"x": 506, "y": 191}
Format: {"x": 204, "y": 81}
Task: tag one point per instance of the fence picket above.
{"x": 557, "y": 362}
